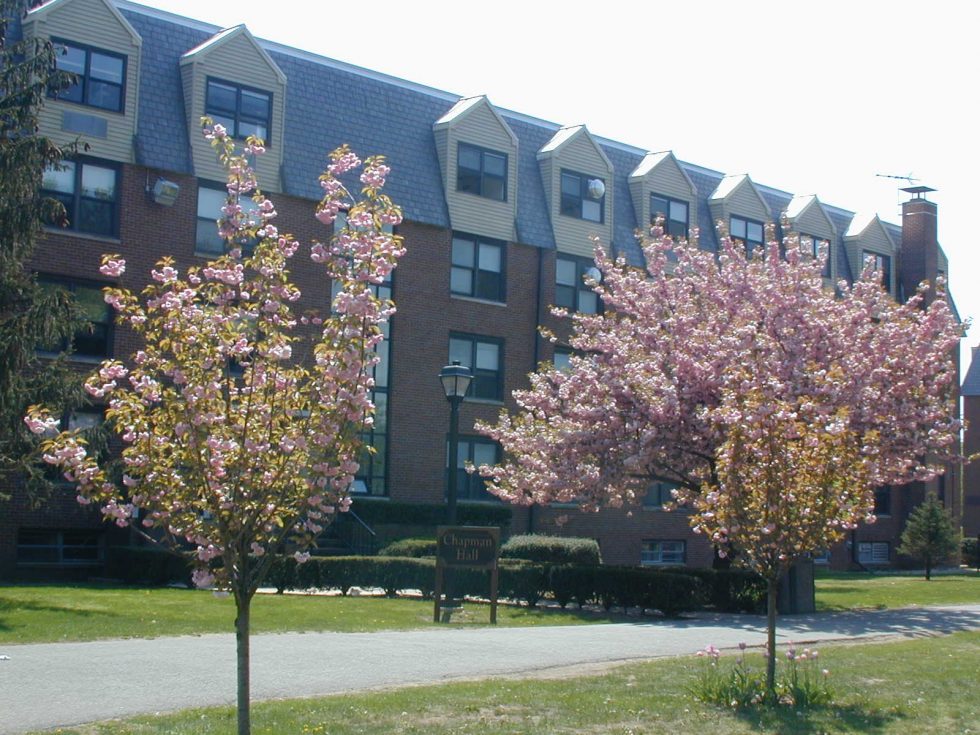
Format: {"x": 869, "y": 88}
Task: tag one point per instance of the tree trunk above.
{"x": 928, "y": 567}
{"x": 771, "y": 585}
{"x": 242, "y": 602}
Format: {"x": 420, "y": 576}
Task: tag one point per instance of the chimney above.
{"x": 920, "y": 248}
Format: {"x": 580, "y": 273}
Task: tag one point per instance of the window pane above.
{"x": 678, "y": 212}
{"x": 210, "y": 202}
{"x": 91, "y": 304}
{"x": 219, "y": 119}
{"x": 562, "y": 359}
{"x": 588, "y": 302}
{"x": 208, "y": 241}
{"x": 254, "y": 129}
{"x": 754, "y": 230}
{"x": 381, "y": 369}
{"x": 469, "y": 157}
{"x": 565, "y": 272}
{"x": 489, "y": 286}
{"x": 484, "y": 453}
{"x": 494, "y": 164}
{"x": 487, "y": 356}
{"x": 96, "y": 216}
{"x": 461, "y": 281}
{"x": 565, "y": 297}
{"x": 106, "y": 68}
{"x": 468, "y": 181}
{"x": 463, "y": 252}
{"x": 461, "y": 350}
{"x": 73, "y": 60}
{"x": 571, "y": 185}
{"x": 659, "y": 206}
{"x": 106, "y": 96}
{"x": 592, "y": 210}
{"x": 494, "y": 188}
{"x": 255, "y": 105}
{"x": 98, "y": 182}
{"x": 62, "y": 180}
{"x": 738, "y": 228}
{"x": 489, "y": 257}
{"x": 221, "y": 97}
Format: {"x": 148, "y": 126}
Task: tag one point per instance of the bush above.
{"x": 551, "y": 549}
{"x": 970, "y": 549}
{"x": 148, "y": 565}
{"x": 729, "y": 590}
{"x": 411, "y": 547}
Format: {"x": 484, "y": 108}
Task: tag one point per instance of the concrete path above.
{"x": 60, "y": 684}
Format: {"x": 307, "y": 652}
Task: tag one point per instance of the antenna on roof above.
{"x": 917, "y": 192}
{"x": 908, "y": 178}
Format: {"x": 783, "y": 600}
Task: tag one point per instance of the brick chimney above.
{"x": 920, "y": 248}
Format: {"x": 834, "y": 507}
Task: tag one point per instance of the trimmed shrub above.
{"x": 411, "y": 547}
{"x": 970, "y": 550}
{"x": 728, "y": 590}
{"x": 148, "y": 565}
{"x": 551, "y": 549}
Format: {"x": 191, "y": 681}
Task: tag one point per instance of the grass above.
{"x": 52, "y": 613}
{"x": 852, "y": 590}
{"x": 925, "y": 686}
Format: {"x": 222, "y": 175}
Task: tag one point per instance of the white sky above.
{"x": 811, "y": 98}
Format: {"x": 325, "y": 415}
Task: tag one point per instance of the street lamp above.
{"x": 456, "y": 380}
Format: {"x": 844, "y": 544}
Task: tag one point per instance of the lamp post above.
{"x": 455, "y": 380}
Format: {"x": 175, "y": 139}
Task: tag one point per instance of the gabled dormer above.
{"x": 660, "y": 187}
{"x": 478, "y": 162}
{"x": 578, "y": 184}
{"x": 233, "y": 80}
{"x": 738, "y": 204}
{"x": 98, "y": 44}
{"x": 806, "y": 218}
{"x": 867, "y": 241}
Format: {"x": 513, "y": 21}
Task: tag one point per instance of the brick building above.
{"x": 498, "y": 211}
{"x": 971, "y": 445}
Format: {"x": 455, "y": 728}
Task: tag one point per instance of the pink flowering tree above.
{"x": 239, "y": 418}
{"x": 774, "y": 405}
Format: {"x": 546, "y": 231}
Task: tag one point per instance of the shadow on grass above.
{"x": 9, "y": 606}
{"x": 788, "y": 720}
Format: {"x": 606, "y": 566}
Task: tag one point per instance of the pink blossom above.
{"x": 113, "y": 266}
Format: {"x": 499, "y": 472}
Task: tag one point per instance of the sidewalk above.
{"x": 60, "y": 684}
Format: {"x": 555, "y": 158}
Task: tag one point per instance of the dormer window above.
{"x": 673, "y": 212}
{"x": 818, "y": 246}
{"x": 242, "y": 110}
{"x": 749, "y": 232}
{"x": 100, "y": 75}
{"x": 881, "y": 264}
{"x": 482, "y": 172}
{"x": 583, "y": 196}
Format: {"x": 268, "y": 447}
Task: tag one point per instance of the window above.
{"x": 372, "y": 475}
{"x": 482, "y": 172}
{"x": 883, "y": 500}
{"x": 210, "y": 200}
{"x": 483, "y": 356}
{"x": 241, "y": 110}
{"x": 88, "y": 192}
{"x": 818, "y": 246}
{"x": 873, "y": 552}
{"x": 749, "y": 232}
{"x": 563, "y": 358}
{"x": 93, "y": 341}
{"x": 478, "y": 267}
{"x": 101, "y": 75}
{"x": 476, "y": 451}
{"x": 571, "y": 292}
{"x": 663, "y": 552}
{"x": 821, "y": 557}
{"x": 63, "y": 548}
{"x": 583, "y": 196}
{"x": 882, "y": 264}
{"x": 674, "y": 213}
{"x": 659, "y": 494}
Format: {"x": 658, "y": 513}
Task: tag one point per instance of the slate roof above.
{"x": 971, "y": 383}
{"x": 329, "y": 102}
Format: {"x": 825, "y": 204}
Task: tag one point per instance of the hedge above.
{"x": 413, "y": 547}
{"x": 148, "y": 565}
{"x": 970, "y": 549}
{"x": 551, "y": 549}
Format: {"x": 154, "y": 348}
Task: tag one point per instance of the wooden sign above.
{"x": 467, "y": 547}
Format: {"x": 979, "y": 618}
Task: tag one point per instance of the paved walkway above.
{"x": 60, "y": 684}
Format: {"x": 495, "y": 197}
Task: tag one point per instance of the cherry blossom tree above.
{"x": 773, "y": 404}
{"x": 239, "y": 419}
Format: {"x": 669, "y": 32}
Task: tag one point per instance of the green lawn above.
{"x": 923, "y": 686}
{"x": 850, "y": 590}
{"x": 43, "y": 613}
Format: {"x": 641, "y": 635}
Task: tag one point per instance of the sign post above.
{"x": 467, "y": 547}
